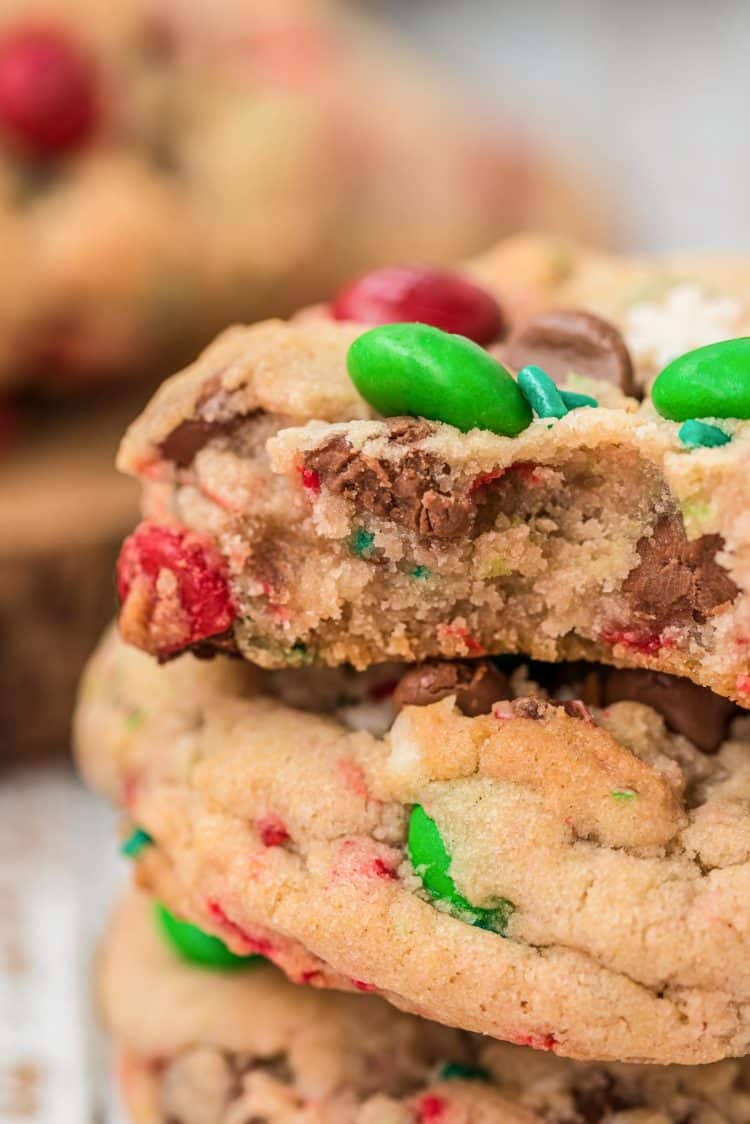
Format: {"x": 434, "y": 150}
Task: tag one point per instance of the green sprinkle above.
{"x": 574, "y": 401}
{"x": 135, "y": 719}
{"x": 361, "y": 542}
{"x": 457, "y": 1071}
{"x": 696, "y": 434}
{"x": 623, "y": 794}
{"x": 420, "y": 572}
{"x": 541, "y": 393}
{"x": 135, "y": 843}
{"x": 431, "y": 860}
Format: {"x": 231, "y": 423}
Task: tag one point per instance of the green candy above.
{"x": 574, "y": 401}
{"x": 135, "y": 843}
{"x": 195, "y": 946}
{"x": 696, "y": 434}
{"x": 458, "y": 1071}
{"x": 541, "y": 393}
{"x": 361, "y": 543}
{"x": 432, "y": 862}
{"x": 711, "y": 382}
{"x": 418, "y": 370}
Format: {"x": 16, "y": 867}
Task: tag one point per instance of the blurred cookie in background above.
{"x": 63, "y": 512}
{"x": 168, "y": 167}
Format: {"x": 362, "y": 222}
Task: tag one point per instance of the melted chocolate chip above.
{"x": 406, "y": 491}
{"x": 186, "y": 440}
{"x": 561, "y": 341}
{"x": 476, "y": 685}
{"x": 536, "y": 709}
{"x": 688, "y": 709}
{"x": 677, "y": 581}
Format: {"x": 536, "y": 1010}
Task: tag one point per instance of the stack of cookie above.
{"x": 477, "y": 542}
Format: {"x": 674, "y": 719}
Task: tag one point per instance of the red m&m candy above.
{"x": 48, "y": 96}
{"x": 414, "y": 294}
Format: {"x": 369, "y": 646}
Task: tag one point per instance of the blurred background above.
{"x": 649, "y": 94}
{"x": 170, "y": 166}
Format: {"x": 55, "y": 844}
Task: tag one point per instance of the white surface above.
{"x": 656, "y": 90}
{"x": 58, "y": 870}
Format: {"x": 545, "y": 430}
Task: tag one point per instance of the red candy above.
{"x": 273, "y": 832}
{"x": 48, "y": 98}
{"x": 310, "y": 479}
{"x": 431, "y": 1107}
{"x": 413, "y": 294}
{"x": 179, "y": 582}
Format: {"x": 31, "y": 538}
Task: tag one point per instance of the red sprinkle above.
{"x": 743, "y": 684}
{"x": 461, "y": 633}
{"x": 362, "y": 986}
{"x": 537, "y": 1041}
{"x": 309, "y": 975}
{"x": 199, "y": 606}
{"x": 484, "y": 479}
{"x": 353, "y": 777}
{"x": 431, "y": 1107}
{"x": 273, "y": 832}
{"x": 648, "y": 643}
{"x": 261, "y": 945}
{"x": 381, "y": 870}
{"x": 48, "y": 96}
{"x": 310, "y": 479}
{"x": 417, "y": 294}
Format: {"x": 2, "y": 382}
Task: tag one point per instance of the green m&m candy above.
{"x": 418, "y": 370}
{"x": 431, "y": 860}
{"x": 710, "y": 382}
{"x": 195, "y": 946}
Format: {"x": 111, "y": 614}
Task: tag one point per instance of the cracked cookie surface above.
{"x": 621, "y": 852}
{"x": 217, "y": 1050}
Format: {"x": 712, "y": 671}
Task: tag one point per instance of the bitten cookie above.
{"x": 198, "y": 1047}
{"x": 289, "y": 520}
{"x": 168, "y": 167}
{"x": 503, "y": 857}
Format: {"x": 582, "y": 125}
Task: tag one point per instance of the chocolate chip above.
{"x": 536, "y": 709}
{"x": 677, "y": 581}
{"x": 186, "y": 440}
{"x": 688, "y": 709}
{"x": 476, "y": 685}
{"x": 406, "y": 491}
{"x": 566, "y": 340}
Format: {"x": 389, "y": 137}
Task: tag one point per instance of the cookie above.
{"x": 558, "y": 873}
{"x": 217, "y": 1049}
{"x": 63, "y": 512}
{"x": 555, "y": 515}
{"x": 197, "y": 164}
